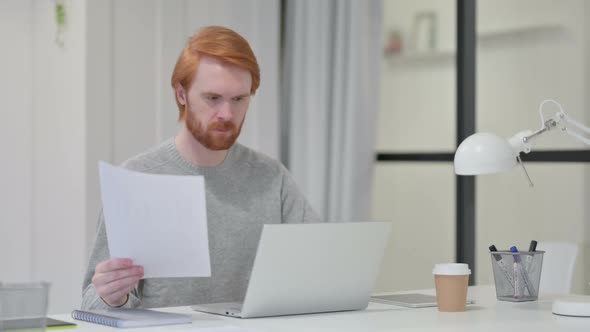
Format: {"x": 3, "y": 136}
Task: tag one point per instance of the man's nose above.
{"x": 225, "y": 111}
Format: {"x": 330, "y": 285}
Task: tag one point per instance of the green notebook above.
{"x": 22, "y": 325}
{"x": 54, "y": 324}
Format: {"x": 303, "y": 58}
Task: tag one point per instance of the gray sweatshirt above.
{"x": 243, "y": 193}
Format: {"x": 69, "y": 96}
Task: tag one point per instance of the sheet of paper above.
{"x": 159, "y": 221}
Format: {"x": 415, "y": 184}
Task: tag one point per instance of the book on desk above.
{"x": 125, "y": 318}
{"x": 33, "y": 324}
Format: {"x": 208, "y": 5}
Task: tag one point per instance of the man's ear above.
{"x": 180, "y": 94}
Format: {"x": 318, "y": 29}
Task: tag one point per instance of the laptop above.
{"x": 310, "y": 268}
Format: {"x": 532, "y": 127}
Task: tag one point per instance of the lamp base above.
{"x": 575, "y": 305}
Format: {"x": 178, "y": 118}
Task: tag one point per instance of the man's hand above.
{"x": 115, "y": 278}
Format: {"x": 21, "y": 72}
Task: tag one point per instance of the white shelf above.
{"x": 483, "y": 37}
{"x": 520, "y": 32}
{"x": 421, "y": 57}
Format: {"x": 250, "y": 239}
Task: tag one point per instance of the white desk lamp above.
{"x": 485, "y": 153}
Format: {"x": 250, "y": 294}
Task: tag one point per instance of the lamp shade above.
{"x": 484, "y": 153}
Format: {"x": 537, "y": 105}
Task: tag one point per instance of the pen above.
{"x": 529, "y": 258}
{"x": 515, "y": 259}
{"x": 518, "y": 270}
{"x": 501, "y": 264}
{"x": 533, "y": 246}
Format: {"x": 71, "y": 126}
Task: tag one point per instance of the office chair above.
{"x": 558, "y": 267}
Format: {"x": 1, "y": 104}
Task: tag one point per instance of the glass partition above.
{"x": 414, "y": 182}
{"x": 419, "y": 199}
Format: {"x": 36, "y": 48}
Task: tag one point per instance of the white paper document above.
{"x": 159, "y": 221}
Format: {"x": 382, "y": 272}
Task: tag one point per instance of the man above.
{"x": 214, "y": 79}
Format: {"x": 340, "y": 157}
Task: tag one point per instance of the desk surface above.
{"x": 487, "y": 314}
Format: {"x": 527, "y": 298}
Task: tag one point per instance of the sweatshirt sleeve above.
{"x": 100, "y": 252}
{"x": 294, "y": 205}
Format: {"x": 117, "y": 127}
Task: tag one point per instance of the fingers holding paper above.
{"x": 115, "y": 278}
{"x": 120, "y": 296}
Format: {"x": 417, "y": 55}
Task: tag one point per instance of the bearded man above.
{"x": 213, "y": 81}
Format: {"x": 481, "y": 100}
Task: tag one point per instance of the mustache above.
{"x": 225, "y": 125}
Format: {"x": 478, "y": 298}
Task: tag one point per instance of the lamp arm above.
{"x": 521, "y": 141}
{"x": 572, "y": 126}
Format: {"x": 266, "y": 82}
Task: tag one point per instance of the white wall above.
{"x": 59, "y": 145}
{"x": 16, "y": 139}
{"x": 587, "y": 168}
{"x": 99, "y": 104}
{"x": 42, "y": 122}
{"x": 104, "y": 96}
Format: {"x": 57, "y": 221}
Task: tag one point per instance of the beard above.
{"x": 208, "y": 137}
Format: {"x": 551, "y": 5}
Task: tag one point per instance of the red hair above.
{"x": 221, "y": 43}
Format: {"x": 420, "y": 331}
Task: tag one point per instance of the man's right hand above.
{"x": 115, "y": 278}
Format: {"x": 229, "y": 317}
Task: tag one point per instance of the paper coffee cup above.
{"x": 451, "y": 281}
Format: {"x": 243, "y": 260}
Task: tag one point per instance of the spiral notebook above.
{"x": 124, "y": 318}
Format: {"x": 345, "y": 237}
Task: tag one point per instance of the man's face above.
{"x": 217, "y": 103}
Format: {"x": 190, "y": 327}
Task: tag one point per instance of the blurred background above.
{"x": 358, "y": 99}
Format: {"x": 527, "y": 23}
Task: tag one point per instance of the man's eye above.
{"x": 213, "y": 98}
{"x": 238, "y": 98}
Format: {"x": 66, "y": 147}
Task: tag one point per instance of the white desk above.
{"x": 487, "y": 314}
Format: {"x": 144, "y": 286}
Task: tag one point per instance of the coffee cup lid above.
{"x": 451, "y": 269}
